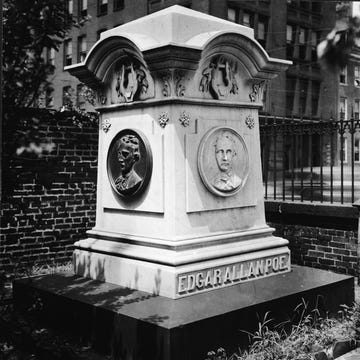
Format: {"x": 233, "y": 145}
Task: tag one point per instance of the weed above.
{"x": 305, "y": 333}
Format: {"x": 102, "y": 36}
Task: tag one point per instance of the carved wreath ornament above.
{"x": 130, "y": 81}
{"x": 105, "y": 125}
{"x": 184, "y": 119}
{"x": 250, "y": 122}
{"x": 163, "y": 119}
{"x": 218, "y": 78}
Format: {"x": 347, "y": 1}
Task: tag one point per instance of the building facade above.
{"x": 286, "y": 29}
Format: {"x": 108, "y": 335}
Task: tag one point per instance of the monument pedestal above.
{"x": 180, "y": 206}
{"x": 135, "y": 325}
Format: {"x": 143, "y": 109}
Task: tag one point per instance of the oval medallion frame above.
{"x": 134, "y": 185}
{"x": 217, "y": 181}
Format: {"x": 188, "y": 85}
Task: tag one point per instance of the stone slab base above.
{"x": 130, "y": 324}
{"x": 183, "y": 280}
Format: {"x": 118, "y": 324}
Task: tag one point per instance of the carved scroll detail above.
{"x": 179, "y": 83}
{"x": 167, "y": 78}
{"x": 173, "y": 83}
{"x": 256, "y": 88}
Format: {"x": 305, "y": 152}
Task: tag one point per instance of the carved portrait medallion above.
{"x": 129, "y": 163}
{"x": 223, "y": 161}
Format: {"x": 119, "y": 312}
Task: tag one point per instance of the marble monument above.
{"x": 180, "y": 206}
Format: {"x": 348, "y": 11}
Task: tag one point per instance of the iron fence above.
{"x": 306, "y": 160}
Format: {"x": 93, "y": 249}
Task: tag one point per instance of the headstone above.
{"x": 180, "y": 206}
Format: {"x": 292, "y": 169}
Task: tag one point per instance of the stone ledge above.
{"x": 135, "y": 322}
{"x": 314, "y": 208}
{"x": 340, "y": 350}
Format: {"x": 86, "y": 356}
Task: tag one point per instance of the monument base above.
{"x": 180, "y": 281}
{"x": 137, "y": 325}
{"x": 183, "y": 268}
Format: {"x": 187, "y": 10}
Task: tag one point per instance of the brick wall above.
{"x": 322, "y": 239}
{"x": 48, "y": 202}
{"x": 329, "y": 249}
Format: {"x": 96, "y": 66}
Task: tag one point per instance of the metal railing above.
{"x": 306, "y": 160}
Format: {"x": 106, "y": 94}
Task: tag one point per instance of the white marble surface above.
{"x": 202, "y": 73}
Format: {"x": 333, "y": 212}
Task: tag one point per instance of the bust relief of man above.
{"x": 225, "y": 152}
{"x": 128, "y": 152}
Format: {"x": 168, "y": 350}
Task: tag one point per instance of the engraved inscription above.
{"x": 231, "y": 274}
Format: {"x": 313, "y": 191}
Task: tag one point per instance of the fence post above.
{"x": 357, "y": 205}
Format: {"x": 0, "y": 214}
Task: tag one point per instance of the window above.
{"x": 264, "y": 96}
{"x": 70, "y": 6}
{"x": 50, "y": 56}
{"x": 302, "y": 33}
{"x": 343, "y": 108}
{"x": 315, "y": 93}
{"x": 314, "y": 41}
{"x": 304, "y": 4}
{"x": 289, "y": 34}
{"x": 356, "y": 8}
{"x": 231, "y": 14}
{"x": 302, "y": 43}
{"x": 357, "y": 76}
{"x": 67, "y": 96}
{"x": 102, "y": 7}
{"x": 81, "y": 48}
{"x": 343, "y": 75}
{"x": 303, "y": 85}
{"x": 49, "y": 97}
{"x": 83, "y": 6}
{"x": 118, "y": 5}
{"x": 316, "y": 6}
{"x": 357, "y": 149}
{"x": 289, "y": 41}
{"x": 290, "y": 94}
{"x": 68, "y": 52}
{"x": 356, "y": 109}
{"x": 261, "y": 31}
{"x": 343, "y": 150}
{"x": 247, "y": 19}
{"x": 80, "y": 101}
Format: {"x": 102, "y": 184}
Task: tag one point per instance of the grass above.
{"x": 296, "y": 339}
{"x": 299, "y": 341}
